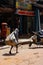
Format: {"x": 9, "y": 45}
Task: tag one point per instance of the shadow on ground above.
{"x": 7, "y": 54}
{"x": 35, "y": 47}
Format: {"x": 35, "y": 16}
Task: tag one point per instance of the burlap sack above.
{"x": 34, "y": 38}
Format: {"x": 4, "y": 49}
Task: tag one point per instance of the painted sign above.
{"x": 27, "y": 13}
{"x": 23, "y": 5}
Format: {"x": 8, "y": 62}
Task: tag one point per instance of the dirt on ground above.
{"x": 25, "y": 56}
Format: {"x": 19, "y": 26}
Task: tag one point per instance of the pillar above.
{"x": 37, "y": 20}
{"x": 20, "y": 25}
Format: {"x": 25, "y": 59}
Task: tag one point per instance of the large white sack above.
{"x": 10, "y": 37}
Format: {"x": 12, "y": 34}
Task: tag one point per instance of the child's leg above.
{"x": 10, "y": 49}
{"x": 16, "y": 48}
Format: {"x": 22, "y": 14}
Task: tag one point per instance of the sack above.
{"x": 34, "y": 38}
{"x": 12, "y": 37}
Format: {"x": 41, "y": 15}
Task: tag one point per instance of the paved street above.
{"x": 25, "y": 56}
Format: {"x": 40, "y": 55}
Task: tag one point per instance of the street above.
{"x": 25, "y": 56}
{"x": 23, "y": 17}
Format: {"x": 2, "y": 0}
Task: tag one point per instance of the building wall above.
{"x": 27, "y": 23}
{"x": 41, "y": 21}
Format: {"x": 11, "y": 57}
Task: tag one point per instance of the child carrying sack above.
{"x": 11, "y": 39}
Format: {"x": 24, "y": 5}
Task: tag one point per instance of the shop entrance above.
{"x": 26, "y": 24}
